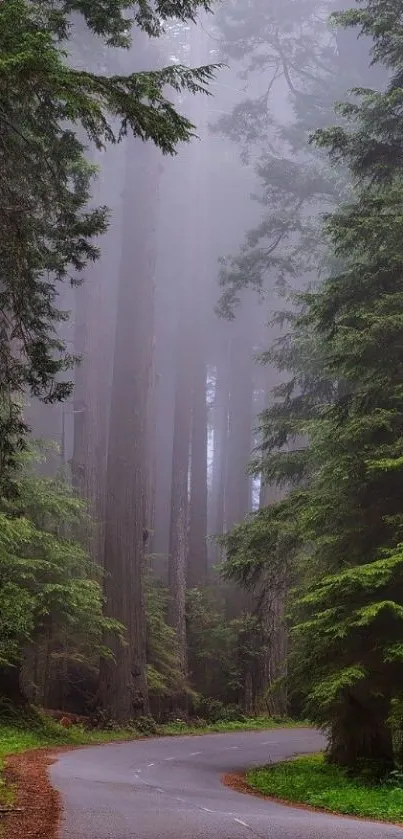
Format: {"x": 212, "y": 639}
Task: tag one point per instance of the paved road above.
{"x": 170, "y": 788}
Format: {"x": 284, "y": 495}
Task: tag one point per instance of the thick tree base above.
{"x": 11, "y": 692}
{"x": 361, "y": 740}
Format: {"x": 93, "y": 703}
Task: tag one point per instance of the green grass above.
{"x": 18, "y": 736}
{"x": 14, "y": 739}
{"x": 249, "y": 724}
{"x": 37, "y": 731}
{"x": 310, "y": 780}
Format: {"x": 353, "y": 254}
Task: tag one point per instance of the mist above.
{"x": 181, "y": 331}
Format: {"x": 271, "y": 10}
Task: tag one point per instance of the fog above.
{"x": 203, "y": 248}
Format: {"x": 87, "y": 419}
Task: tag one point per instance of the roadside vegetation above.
{"x": 313, "y": 781}
{"x": 35, "y": 731}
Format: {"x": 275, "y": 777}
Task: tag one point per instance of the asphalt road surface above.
{"x": 170, "y": 788}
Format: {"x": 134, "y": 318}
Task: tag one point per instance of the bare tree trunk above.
{"x": 123, "y": 686}
{"x": 220, "y": 448}
{"x": 151, "y": 455}
{"x": 273, "y": 610}
{"x": 178, "y": 549}
{"x": 11, "y": 686}
{"x": 237, "y": 491}
{"x": 165, "y": 400}
{"x": 197, "y": 560}
{"x": 95, "y": 304}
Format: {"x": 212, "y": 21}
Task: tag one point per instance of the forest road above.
{"x": 170, "y": 788}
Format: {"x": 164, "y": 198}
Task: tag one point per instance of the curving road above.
{"x": 170, "y": 788}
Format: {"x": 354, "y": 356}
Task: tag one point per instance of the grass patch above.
{"x": 38, "y": 731}
{"x": 249, "y": 724}
{"x": 310, "y": 780}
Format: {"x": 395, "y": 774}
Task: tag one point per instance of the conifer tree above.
{"x": 344, "y": 524}
{"x": 47, "y": 231}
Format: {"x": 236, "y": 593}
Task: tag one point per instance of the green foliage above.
{"x": 267, "y": 533}
{"x": 48, "y": 586}
{"x": 227, "y": 658}
{"x": 212, "y": 650}
{"x": 311, "y": 780}
{"x": 114, "y": 19}
{"x": 344, "y": 517}
{"x": 48, "y": 231}
{"x": 165, "y": 679}
{"x": 298, "y": 52}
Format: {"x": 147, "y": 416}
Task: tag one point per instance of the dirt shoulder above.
{"x": 36, "y": 807}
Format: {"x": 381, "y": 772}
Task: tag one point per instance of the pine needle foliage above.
{"x": 48, "y": 585}
{"x": 347, "y": 520}
{"x": 48, "y": 231}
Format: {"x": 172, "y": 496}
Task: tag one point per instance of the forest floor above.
{"x": 312, "y": 782}
{"x": 29, "y": 806}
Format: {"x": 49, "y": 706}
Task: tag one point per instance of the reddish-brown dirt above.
{"x": 239, "y": 784}
{"x": 37, "y": 805}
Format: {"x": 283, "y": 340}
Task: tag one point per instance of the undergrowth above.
{"x": 311, "y": 780}
{"x": 33, "y": 730}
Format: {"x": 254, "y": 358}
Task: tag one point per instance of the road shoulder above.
{"x": 36, "y": 805}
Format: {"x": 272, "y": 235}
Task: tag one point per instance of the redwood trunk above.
{"x": 178, "y": 542}
{"x": 237, "y": 491}
{"x": 123, "y": 685}
{"x": 197, "y": 560}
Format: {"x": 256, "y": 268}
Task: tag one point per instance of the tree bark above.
{"x": 178, "y": 542}
{"x": 95, "y": 305}
{"x": 123, "y": 685}
{"x": 220, "y": 450}
{"x": 10, "y": 686}
{"x": 197, "y": 559}
{"x": 361, "y": 738}
{"x": 237, "y": 490}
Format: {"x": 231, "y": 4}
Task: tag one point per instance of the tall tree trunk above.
{"x": 197, "y": 560}
{"x": 361, "y": 737}
{"x": 273, "y": 607}
{"x": 220, "y": 453}
{"x": 237, "y": 491}
{"x": 151, "y": 425}
{"x": 95, "y": 305}
{"x": 272, "y": 688}
{"x": 178, "y": 542}
{"x": 190, "y": 379}
{"x": 11, "y": 688}
{"x": 123, "y": 686}
{"x": 165, "y": 393}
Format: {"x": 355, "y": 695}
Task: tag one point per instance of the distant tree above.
{"x": 297, "y": 58}
{"x": 46, "y": 228}
{"x": 178, "y": 537}
{"x": 123, "y": 683}
{"x": 164, "y": 675}
{"x": 197, "y": 554}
